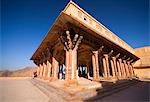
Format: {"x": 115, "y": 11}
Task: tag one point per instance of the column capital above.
{"x": 120, "y": 60}
{"x": 131, "y": 61}
{"x": 95, "y": 52}
{"x": 124, "y": 57}
{"x": 110, "y": 53}
{"x": 105, "y": 55}
{"x": 128, "y": 62}
{"x": 124, "y": 61}
{"x": 101, "y": 48}
{"x": 113, "y": 58}
{"x": 117, "y": 56}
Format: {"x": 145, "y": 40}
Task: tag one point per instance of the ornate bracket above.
{"x": 71, "y": 43}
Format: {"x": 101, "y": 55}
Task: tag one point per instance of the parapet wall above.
{"x": 142, "y": 66}
{"x": 144, "y": 55}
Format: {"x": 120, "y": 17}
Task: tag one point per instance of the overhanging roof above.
{"x": 75, "y": 15}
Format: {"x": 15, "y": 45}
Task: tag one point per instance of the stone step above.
{"x": 57, "y": 94}
{"x": 106, "y": 91}
{"x": 52, "y": 93}
{"x": 108, "y": 85}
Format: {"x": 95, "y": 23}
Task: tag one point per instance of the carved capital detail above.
{"x": 70, "y": 43}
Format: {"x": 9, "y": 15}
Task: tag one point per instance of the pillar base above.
{"x": 71, "y": 82}
{"x": 38, "y": 76}
{"x": 41, "y": 77}
{"x": 46, "y": 78}
{"x": 52, "y": 79}
{"x": 96, "y": 79}
{"x": 107, "y": 78}
{"x": 114, "y": 78}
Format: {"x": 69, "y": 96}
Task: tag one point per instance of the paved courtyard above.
{"x": 20, "y": 90}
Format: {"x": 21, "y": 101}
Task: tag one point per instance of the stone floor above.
{"x": 20, "y": 90}
{"x": 85, "y": 90}
{"x": 36, "y": 90}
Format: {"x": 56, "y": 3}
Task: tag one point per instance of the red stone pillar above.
{"x": 44, "y": 70}
{"x": 105, "y": 68}
{"x": 74, "y": 63}
{"x": 71, "y": 66}
{"x": 119, "y": 64}
{"x": 122, "y": 69}
{"x": 107, "y": 64}
{"x": 88, "y": 71}
{"x": 126, "y": 68}
{"x": 95, "y": 65}
{"x": 48, "y": 69}
{"x": 38, "y": 70}
{"x": 123, "y": 72}
{"x": 129, "y": 67}
{"x": 132, "y": 69}
{"x": 54, "y": 69}
{"x": 71, "y": 47}
{"x": 41, "y": 70}
{"x": 67, "y": 77}
{"x": 114, "y": 66}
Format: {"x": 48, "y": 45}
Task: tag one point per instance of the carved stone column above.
{"x": 105, "y": 68}
{"x": 41, "y": 70}
{"x": 44, "y": 70}
{"x": 124, "y": 73}
{"x": 67, "y": 74}
{"x": 38, "y": 70}
{"x": 126, "y": 68}
{"x": 132, "y": 69}
{"x": 129, "y": 67}
{"x": 71, "y": 64}
{"x": 107, "y": 64}
{"x": 48, "y": 69}
{"x": 114, "y": 67}
{"x": 119, "y": 68}
{"x": 95, "y": 65}
{"x": 88, "y": 71}
{"x": 74, "y": 63}
{"x": 71, "y": 46}
{"x": 54, "y": 69}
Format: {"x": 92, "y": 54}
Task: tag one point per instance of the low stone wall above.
{"x": 142, "y": 66}
{"x": 144, "y": 55}
{"x": 14, "y": 78}
{"x": 142, "y": 72}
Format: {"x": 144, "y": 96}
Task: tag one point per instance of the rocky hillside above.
{"x": 25, "y": 72}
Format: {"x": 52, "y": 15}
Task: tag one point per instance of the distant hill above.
{"x": 25, "y": 72}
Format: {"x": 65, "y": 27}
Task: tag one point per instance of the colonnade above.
{"x": 112, "y": 66}
{"x": 48, "y": 70}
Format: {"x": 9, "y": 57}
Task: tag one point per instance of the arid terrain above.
{"x": 25, "y": 72}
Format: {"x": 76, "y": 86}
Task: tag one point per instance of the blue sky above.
{"x": 24, "y": 23}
